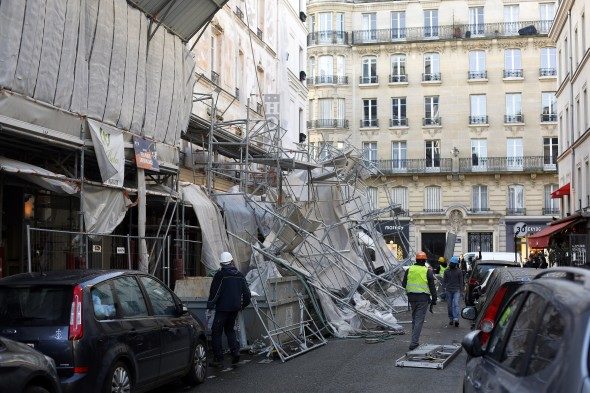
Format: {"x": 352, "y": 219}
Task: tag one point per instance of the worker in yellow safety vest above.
{"x": 419, "y": 284}
{"x": 442, "y": 262}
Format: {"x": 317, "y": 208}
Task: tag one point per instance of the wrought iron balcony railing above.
{"x": 550, "y": 211}
{"x": 328, "y": 80}
{"x": 506, "y": 164}
{"x": 516, "y": 211}
{"x": 513, "y": 118}
{"x": 548, "y": 117}
{"x": 435, "y": 210}
{"x": 432, "y": 121}
{"x": 369, "y": 123}
{"x": 471, "y": 75}
{"x": 548, "y": 71}
{"x": 486, "y": 30}
{"x": 479, "y": 210}
{"x": 478, "y": 120}
{"x": 513, "y": 73}
{"x": 328, "y": 37}
{"x": 398, "y": 78}
{"x": 434, "y": 76}
{"x": 398, "y": 122}
{"x": 327, "y": 123}
{"x": 363, "y": 80}
{"x": 415, "y": 165}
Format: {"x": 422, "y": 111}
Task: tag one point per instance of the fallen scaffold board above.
{"x": 429, "y": 356}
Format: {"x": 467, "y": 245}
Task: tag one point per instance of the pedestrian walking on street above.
{"x": 453, "y": 285}
{"x": 228, "y": 295}
{"x": 419, "y": 284}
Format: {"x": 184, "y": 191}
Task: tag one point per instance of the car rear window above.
{"x": 481, "y": 270}
{"x": 36, "y": 305}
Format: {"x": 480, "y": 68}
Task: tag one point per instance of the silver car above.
{"x": 541, "y": 340}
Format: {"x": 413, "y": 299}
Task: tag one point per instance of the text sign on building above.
{"x": 272, "y": 110}
{"x": 522, "y": 229}
{"x": 146, "y": 156}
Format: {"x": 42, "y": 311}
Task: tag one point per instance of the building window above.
{"x": 478, "y": 114}
{"x": 326, "y": 109}
{"x": 585, "y": 107}
{"x": 311, "y": 23}
{"x": 431, "y": 23}
{"x": 550, "y": 151}
{"x": 372, "y": 197}
{"x": 369, "y": 70}
{"x": 548, "y": 62}
{"x": 398, "y": 69}
{"x": 479, "y": 154}
{"x": 512, "y": 64}
{"x": 549, "y": 107}
{"x": 398, "y": 155}
{"x": 399, "y": 196}
{"x": 325, "y": 69}
{"x": 551, "y": 205}
{"x": 511, "y": 19}
{"x": 432, "y": 153}
{"x": 311, "y": 66}
{"x": 339, "y": 18}
{"x": 479, "y": 198}
{"x": 477, "y": 64}
{"x": 370, "y": 26}
{"x": 398, "y": 25}
{"x": 513, "y": 108}
{"x": 341, "y": 112}
{"x": 431, "y": 67}
{"x": 369, "y": 113}
{"x": 398, "y": 112}
{"x": 480, "y": 241}
{"x": 431, "y": 113}
{"x": 476, "y": 23}
{"x": 432, "y": 203}
{"x": 546, "y": 15}
{"x": 370, "y": 151}
{"x": 341, "y": 69}
{"x": 515, "y": 200}
{"x": 514, "y": 157}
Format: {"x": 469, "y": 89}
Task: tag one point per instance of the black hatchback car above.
{"x": 479, "y": 273}
{"x": 108, "y": 331}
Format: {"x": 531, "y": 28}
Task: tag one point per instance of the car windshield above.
{"x": 35, "y": 305}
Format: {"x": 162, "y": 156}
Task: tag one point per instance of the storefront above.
{"x": 518, "y": 230}
{"x": 396, "y": 234}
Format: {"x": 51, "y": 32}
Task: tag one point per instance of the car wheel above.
{"x": 198, "y": 371}
{"x": 36, "y": 389}
{"x": 119, "y": 379}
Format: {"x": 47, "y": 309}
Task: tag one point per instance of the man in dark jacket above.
{"x": 453, "y": 286}
{"x": 228, "y": 295}
{"x": 419, "y": 283}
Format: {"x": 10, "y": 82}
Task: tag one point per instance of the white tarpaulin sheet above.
{"x": 110, "y": 152}
{"x": 212, "y": 229}
{"x": 104, "y": 208}
{"x": 37, "y": 175}
{"x": 92, "y": 57}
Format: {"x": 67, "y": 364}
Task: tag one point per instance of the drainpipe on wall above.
{"x": 572, "y": 197}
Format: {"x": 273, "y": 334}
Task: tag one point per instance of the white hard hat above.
{"x": 226, "y": 258}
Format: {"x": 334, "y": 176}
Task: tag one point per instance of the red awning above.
{"x": 561, "y": 191}
{"x": 541, "y": 238}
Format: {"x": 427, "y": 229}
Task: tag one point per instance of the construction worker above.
{"x": 453, "y": 286}
{"x": 228, "y": 295}
{"x": 442, "y": 262}
{"x": 419, "y": 284}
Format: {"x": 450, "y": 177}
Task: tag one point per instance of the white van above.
{"x": 490, "y": 256}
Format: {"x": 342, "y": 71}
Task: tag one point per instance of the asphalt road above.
{"x": 349, "y": 365}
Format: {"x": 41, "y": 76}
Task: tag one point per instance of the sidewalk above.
{"x": 349, "y": 365}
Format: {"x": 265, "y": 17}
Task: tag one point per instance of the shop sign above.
{"x": 522, "y": 229}
{"x": 392, "y": 227}
{"x": 120, "y": 250}
{"x": 96, "y": 248}
{"x": 146, "y": 156}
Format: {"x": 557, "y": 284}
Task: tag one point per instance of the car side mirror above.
{"x": 469, "y": 313}
{"x": 472, "y": 343}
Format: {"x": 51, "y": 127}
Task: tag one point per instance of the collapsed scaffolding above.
{"x": 292, "y": 215}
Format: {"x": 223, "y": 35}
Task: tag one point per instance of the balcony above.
{"x": 215, "y": 77}
{"x": 328, "y": 80}
{"x": 513, "y": 119}
{"x": 550, "y": 211}
{"x": 515, "y": 211}
{"x": 433, "y": 77}
{"x": 479, "y": 210}
{"x": 327, "y": 123}
{"x": 478, "y": 120}
{"x": 513, "y": 73}
{"x": 432, "y": 121}
{"x": 450, "y": 32}
{"x": 398, "y": 78}
{"x": 548, "y": 117}
{"x": 506, "y": 164}
{"x": 329, "y": 37}
{"x": 368, "y": 80}
{"x": 412, "y": 166}
{"x": 474, "y": 75}
{"x": 365, "y": 123}
{"x": 547, "y": 72}
{"x": 398, "y": 122}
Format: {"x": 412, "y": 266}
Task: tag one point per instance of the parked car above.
{"x": 471, "y": 257}
{"x": 502, "y": 283}
{"x": 106, "y": 330}
{"x": 540, "y": 341}
{"x": 478, "y": 275}
{"x": 23, "y": 369}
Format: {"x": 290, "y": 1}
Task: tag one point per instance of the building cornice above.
{"x": 560, "y": 19}
{"x": 562, "y": 85}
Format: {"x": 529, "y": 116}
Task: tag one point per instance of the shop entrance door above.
{"x": 433, "y": 244}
